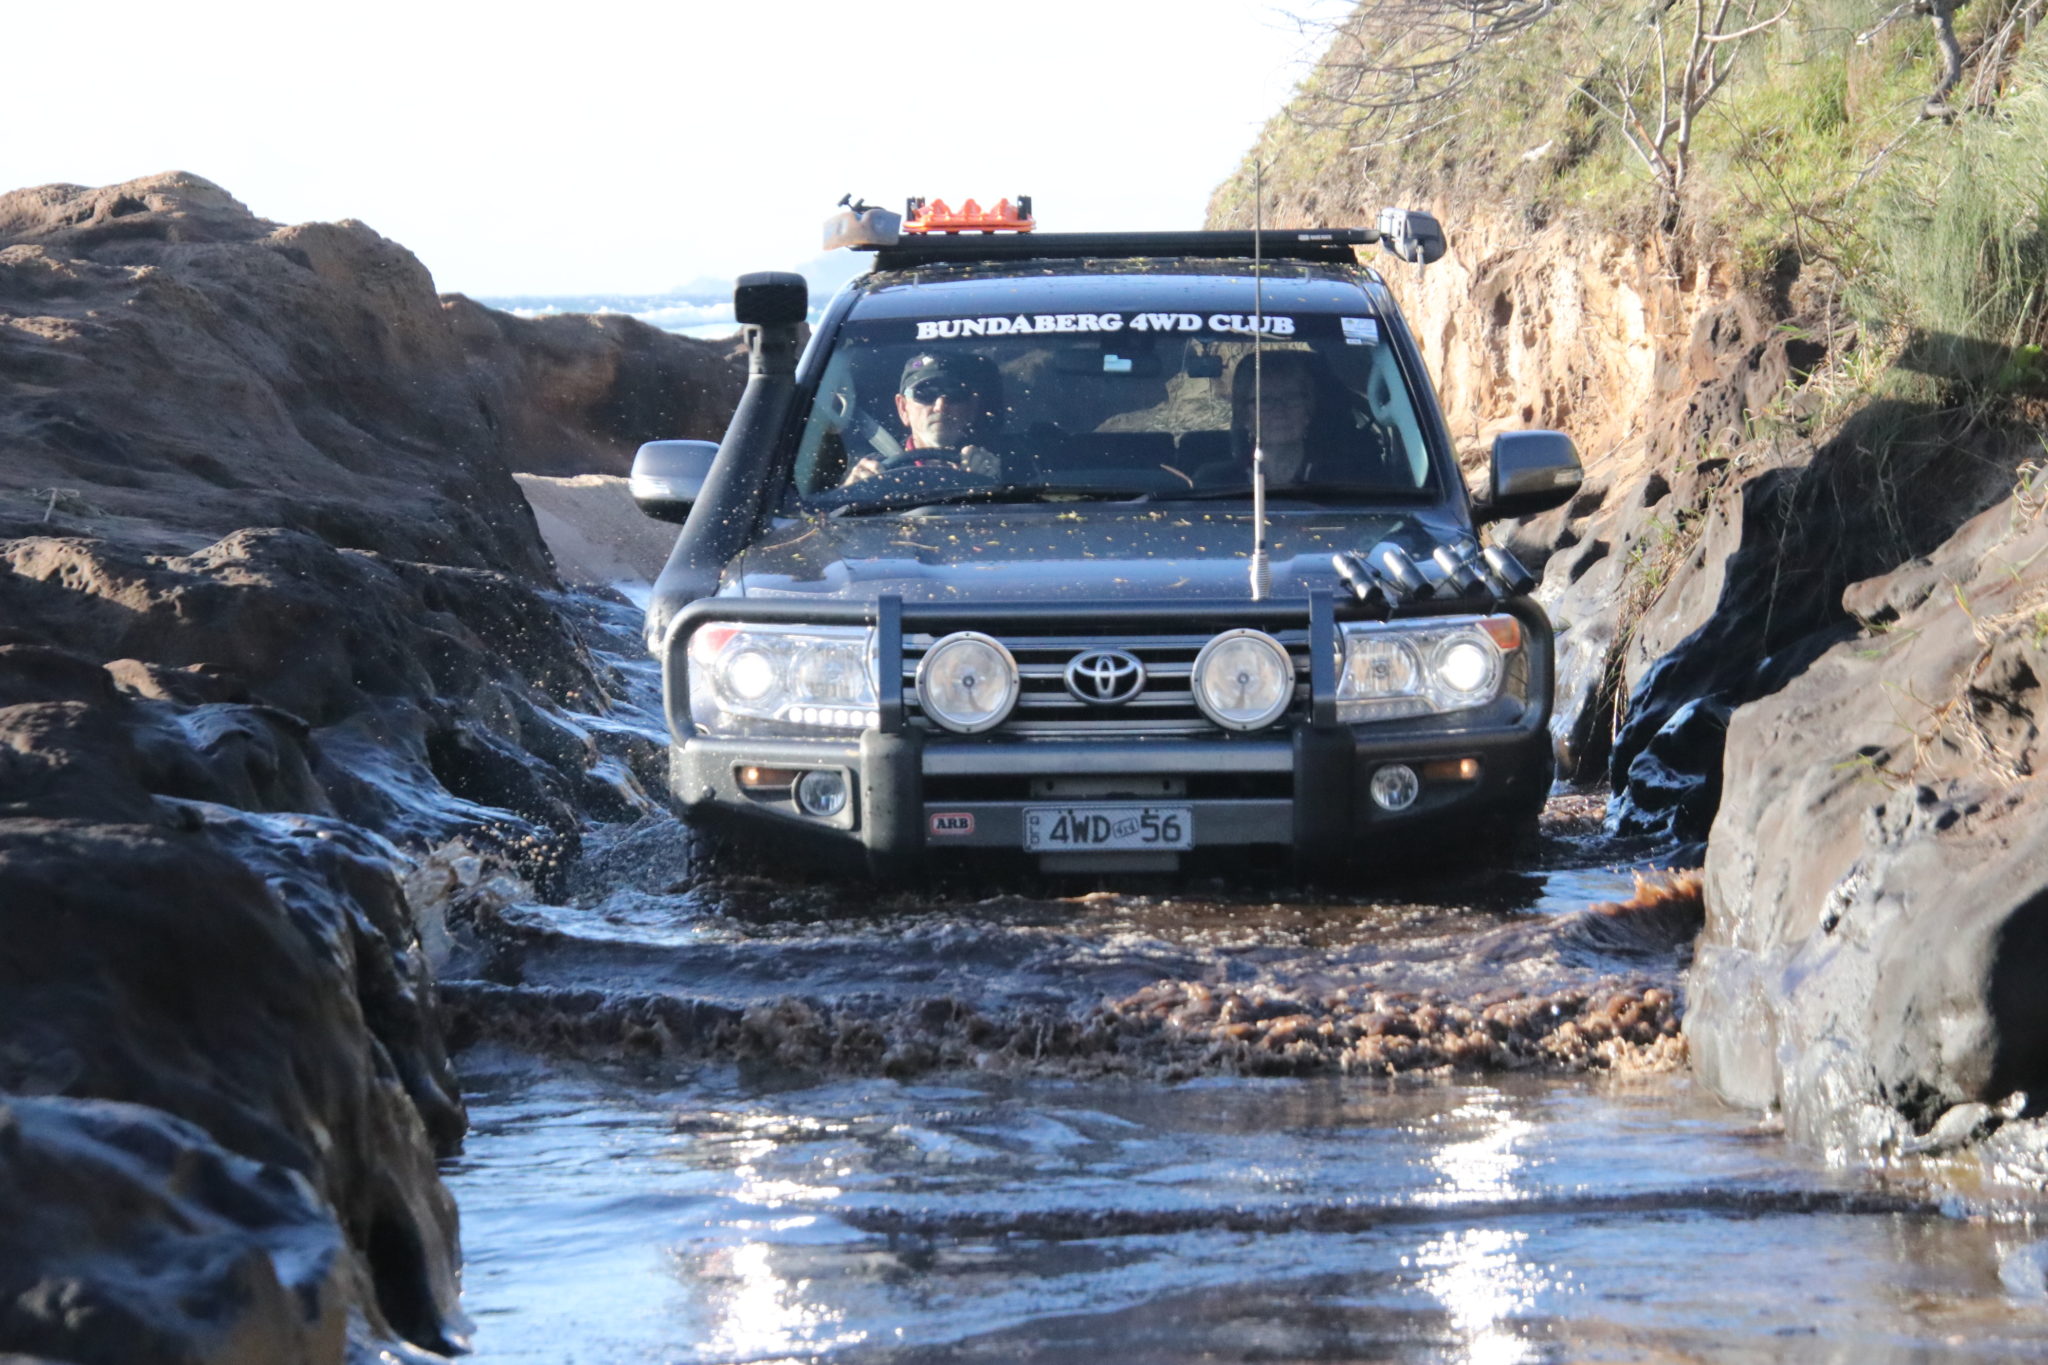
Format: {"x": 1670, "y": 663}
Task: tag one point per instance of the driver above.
{"x": 946, "y": 402}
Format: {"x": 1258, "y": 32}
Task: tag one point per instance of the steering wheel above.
{"x": 926, "y": 457}
{"x": 907, "y": 478}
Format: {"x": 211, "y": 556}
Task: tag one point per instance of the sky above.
{"x": 604, "y": 146}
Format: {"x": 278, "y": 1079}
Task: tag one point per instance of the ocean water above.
{"x": 691, "y": 314}
{"x": 701, "y": 308}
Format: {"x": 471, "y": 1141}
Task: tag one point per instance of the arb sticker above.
{"x": 953, "y": 822}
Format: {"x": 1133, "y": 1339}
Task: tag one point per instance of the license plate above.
{"x": 1094, "y": 826}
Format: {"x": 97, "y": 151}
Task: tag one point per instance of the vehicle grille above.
{"x": 1045, "y": 707}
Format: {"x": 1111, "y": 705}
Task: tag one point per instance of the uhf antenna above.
{"x": 1262, "y": 572}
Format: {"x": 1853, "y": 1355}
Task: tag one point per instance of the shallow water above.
{"x": 612, "y": 1218}
{"x": 708, "y": 1203}
{"x": 750, "y": 1187}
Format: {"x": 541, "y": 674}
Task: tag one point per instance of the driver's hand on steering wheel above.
{"x": 920, "y": 458}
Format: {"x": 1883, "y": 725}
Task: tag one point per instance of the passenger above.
{"x": 947, "y": 403}
{"x": 1287, "y": 416}
{"x": 1307, "y": 434}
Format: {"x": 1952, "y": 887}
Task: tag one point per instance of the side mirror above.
{"x": 1411, "y": 234}
{"x": 1532, "y": 471}
{"x": 668, "y": 475}
{"x": 771, "y": 298}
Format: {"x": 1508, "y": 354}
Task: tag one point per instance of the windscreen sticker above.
{"x": 1361, "y": 331}
{"x": 1038, "y": 324}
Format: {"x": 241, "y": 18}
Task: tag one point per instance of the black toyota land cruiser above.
{"x": 1108, "y": 549}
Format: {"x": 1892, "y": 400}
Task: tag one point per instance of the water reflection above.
{"x": 1482, "y": 1281}
{"x": 758, "y": 1313}
{"x": 1485, "y": 1165}
{"x": 761, "y": 1316}
{"x": 1478, "y": 1274}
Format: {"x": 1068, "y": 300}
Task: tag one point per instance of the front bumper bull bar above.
{"x": 1323, "y": 816}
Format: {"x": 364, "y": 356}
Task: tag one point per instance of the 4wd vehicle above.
{"x": 1109, "y": 549}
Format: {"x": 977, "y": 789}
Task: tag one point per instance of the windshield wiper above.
{"x": 1004, "y": 492}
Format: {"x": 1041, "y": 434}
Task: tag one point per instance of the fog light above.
{"x": 1394, "y": 787}
{"x": 821, "y": 792}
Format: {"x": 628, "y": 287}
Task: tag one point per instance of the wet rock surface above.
{"x": 204, "y": 764}
{"x": 275, "y": 624}
{"x": 128, "y": 1235}
{"x": 272, "y": 672}
{"x": 1874, "y": 887}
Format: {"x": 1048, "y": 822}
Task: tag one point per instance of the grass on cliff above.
{"x": 1930, "y": 235}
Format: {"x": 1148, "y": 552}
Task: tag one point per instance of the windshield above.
{"x": 1110, "y": 405}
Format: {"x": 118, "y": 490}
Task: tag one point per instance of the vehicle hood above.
{"x": 1090, "y": 554}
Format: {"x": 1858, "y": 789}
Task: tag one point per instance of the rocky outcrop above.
{"x": 1877, "y": 899}
{"x": 179, "y": 365}
{"x": 577, "y": 393}
{"x": 275, "y": 621}
{"x": 195, "y": 914}
{"x": 177, "y": 368}
{"x": 261, "y": 981}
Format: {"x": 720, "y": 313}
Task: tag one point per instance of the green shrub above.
{"x": 1958, "y": 227}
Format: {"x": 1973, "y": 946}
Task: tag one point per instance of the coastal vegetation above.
{"x": 1896, "y": 163}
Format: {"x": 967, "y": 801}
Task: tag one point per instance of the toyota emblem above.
{"x": 1105, "y": 677}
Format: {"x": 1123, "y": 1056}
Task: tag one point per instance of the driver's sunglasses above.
{"x": 926, "y": 392}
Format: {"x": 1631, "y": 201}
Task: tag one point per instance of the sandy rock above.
{"x": 597, "y": 534}
{"x": 187, "y": 368}
{"x": 577, "y": 393}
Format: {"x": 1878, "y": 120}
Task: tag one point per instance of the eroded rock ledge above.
{"x": 1877, "y": 895}
{"x": 274, "y": 621}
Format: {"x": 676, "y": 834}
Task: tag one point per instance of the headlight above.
{"x": 782, "y": 680}
{"x": 1414, "y": 668}
{"x": 1243, "y": 679}
{"x": 967, "y": 682}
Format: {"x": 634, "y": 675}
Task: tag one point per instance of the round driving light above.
{"x": 1243, "y": 679}
{"x": 1466, "y": 666}
{"x": 967, "y": 682}
{"x": 821, "y": 792}
{"x": 1395, "y": 787}
{"x": 750, "y": 674}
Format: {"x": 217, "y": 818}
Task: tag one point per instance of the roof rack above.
{"x": 1312, "y": 244}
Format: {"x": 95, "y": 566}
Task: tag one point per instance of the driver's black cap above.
{"x": 978, "y": 372}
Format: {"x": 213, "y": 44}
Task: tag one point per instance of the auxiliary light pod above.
{"x": 1459, "y": 573}
{"x": 1364, "y": 585}
{"x": 1516, "y": 579}
{"x": 1395, "y": 568}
